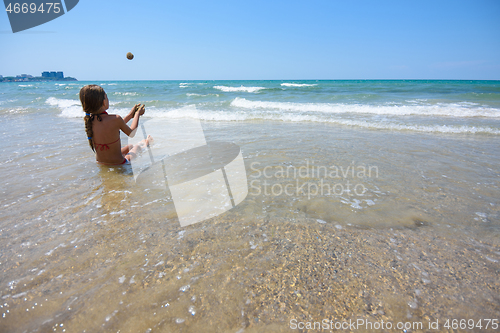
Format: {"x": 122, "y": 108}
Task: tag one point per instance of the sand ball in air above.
{"x": 130, "y": 56}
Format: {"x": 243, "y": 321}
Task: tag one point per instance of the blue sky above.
{"x": 188, "y": 40}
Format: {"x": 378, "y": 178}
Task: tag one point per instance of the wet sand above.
{"x": 239, "y": 273}
{"x": 85, "y": 251}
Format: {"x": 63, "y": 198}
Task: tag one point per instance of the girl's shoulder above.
{"x": 112, "y": 120}
{"x": 114, "y": 116}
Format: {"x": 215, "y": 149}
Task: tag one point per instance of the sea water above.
{"x": 366, "y": 199}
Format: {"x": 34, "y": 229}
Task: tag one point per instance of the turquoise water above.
{"x": 87, "y": 248}
{"x": 421, "y": 106}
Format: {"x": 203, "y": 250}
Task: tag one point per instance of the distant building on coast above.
{"x": 46, "y": 76}
{"x": 57, "y": 75}
{"x": 24, "y": 77}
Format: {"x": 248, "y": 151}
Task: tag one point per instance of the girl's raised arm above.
{"x": 130, "y": 131}
{"x": 132, "y": 113}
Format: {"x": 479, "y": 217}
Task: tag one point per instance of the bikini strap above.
{"x": 104, "y": 146}
{"x": 92, "y": 116}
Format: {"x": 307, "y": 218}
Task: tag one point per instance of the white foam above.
{"x": 201, "y": 95}
{"x": 69, "y": 108}
{"x": 125, "y": 93}
{"x": 242, "y": 88}
{"x": 419, "y": 128}
{"x": 450, "y": 110}
{"x": 297, "y": 85}
{"x": 190, "y": 111}
{"x": 341, "y": 114}
{"x": 19, "y": 295}
{"x": 73, "y": 109}
{"x": 187, "y": 84}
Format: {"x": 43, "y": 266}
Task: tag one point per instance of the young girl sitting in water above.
{"x": 103, "y": 129}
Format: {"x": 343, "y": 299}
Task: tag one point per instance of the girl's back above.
{"x": 103, "y": 129}
{"x": 107, "y": 139}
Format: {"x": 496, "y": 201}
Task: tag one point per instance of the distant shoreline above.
{"x": 48, "y": 79}
{"x": 35, "y": 79}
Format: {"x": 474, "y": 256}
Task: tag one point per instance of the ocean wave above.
{"x": 236, "y": 89}
{"x": 125, "y": 93}
{"x": 201, "y": 95}
{"x": 444, "y": 110}
{"x": 69, "y": 108}
{"x": 417, "y": 100}
{"x": 297, "y": 85}
{"x": 445, "y": 129}
{"x": 25, "y": 85}
{"x": 219, "y": 115}
{"x": 62, "y": 103}
{"x": 186, "y": 84}
{"x": 190, "y": 111}
{"x": 16, "y": 110}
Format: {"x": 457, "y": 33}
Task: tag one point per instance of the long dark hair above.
{"x": 92, "y": 97}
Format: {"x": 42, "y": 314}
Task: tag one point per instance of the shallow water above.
{"x": 413, "y": 238}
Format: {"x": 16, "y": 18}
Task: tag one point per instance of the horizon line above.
{"x": 125, "y": 80}
{"x": 85, "y": 80}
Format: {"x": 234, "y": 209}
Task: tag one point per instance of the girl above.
{"x": 103, "y": 129}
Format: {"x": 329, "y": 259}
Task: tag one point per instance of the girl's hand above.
{"x": 135, "y": 108}
{"x": 142, "y": 109}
